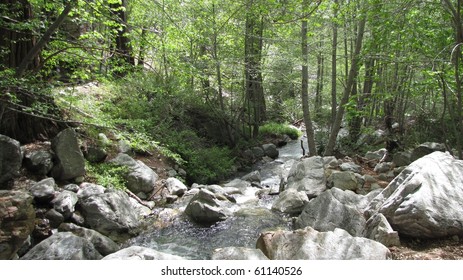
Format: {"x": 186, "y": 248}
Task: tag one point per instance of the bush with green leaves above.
{"x": 108, "y": 175}
{"x": 204, "y": 163}
{"x": 272, "y": 128}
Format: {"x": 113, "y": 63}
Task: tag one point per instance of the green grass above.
{"x": 279, "y": 129}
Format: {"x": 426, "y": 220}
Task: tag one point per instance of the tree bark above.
{"x": 305, "y": 87}
{"x": 37, "y": 48}
{"x": 353, "y": 72}
{"x": 255, "y": 99}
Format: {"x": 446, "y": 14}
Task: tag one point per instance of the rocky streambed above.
{"x": 287, "y": 208}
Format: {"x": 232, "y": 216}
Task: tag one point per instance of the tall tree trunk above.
{"x": 33, "y": 53}
{"x": 353, "y": 72}
{"x": 355, "y": 124}
{"x": 16, "y": 44}
{"x": 22, "y": 54}
{"x": 123, "y": 54}
{"x": 334, "y": 57}
{"x": 305, "y": 86}
{"x": 255, "y": 98}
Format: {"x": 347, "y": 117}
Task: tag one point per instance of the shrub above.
{"x": 279, "y": 129}
{"x": 108, "y": 175}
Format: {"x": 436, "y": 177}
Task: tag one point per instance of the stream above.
{"x": 172, "y": 232}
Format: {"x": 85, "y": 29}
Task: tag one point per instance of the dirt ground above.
{"x": 415, "y": 249}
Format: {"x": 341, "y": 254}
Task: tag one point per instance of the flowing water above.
{"x": 172, "y": 232}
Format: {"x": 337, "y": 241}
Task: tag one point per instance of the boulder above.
{"x": 102, "y": 244}
{"x": 39, "y": 162}
{"x": 270, "y": 150}
{"x": 70, "y": 162}
{"x": 375, "y": 155}
{"x": 10, "y": 158}
{"x": 290, "y": 202}
{"x": 237, "y": 253}
{"x": 383, "y": 167}
{"x": 89, "y": 189}
{"x": 95, "y": 154}
{"x": 175, "y": 186}
{"x": 253, "y": 177}
{"x": 344, "y": 180}
{"x": 350, "y": 166}
{"x": 309, "y": 244}
{"x": 140, "y": 253}
{"x": 43, "y": 191}
{"x": 65, "y": 203}
{"x": 140, "y": 178}
{"x": 17, "y": 218}
{"x": 111, "y": 214}
{"x": 257, "y": 152}
{"x": 426, "y": 149}
{"x": 54, "y": 217}
{"x": 71, "y": 187}
{"x": 378, "y": 228}
{"x": 63, "y": 246}
{"x": 424, "y": 200}
{"x": 308, "y": 175}
{"x": 335, "y": 209}
{"x": 204, "y": 207}
{"x": 402, "y": 159}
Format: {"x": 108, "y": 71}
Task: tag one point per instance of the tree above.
{"x": 350, "y": 83}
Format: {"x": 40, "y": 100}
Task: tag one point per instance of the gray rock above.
{"x": 124, "y": 147}
{"x": 39, "y": 162}
{"x": 379, "y": 229}
{"x": 103, "y": 140}
{"x": 344, "y": 180}
{"x": 376, "y": 155}
{"x": 43, "y": 191}
{"x": 402, "y": 159}
{"x": 424, "y": 200}
{"x": 95, "y": 154}
{"x": 102, "y": 244}
{"x": 383, "y": 167}
{"x": 335, "y": 209}
{"x": 175, "y": 186}
{"x": 291, "y": 202}
{"x": 141, "y": 178}
{"x": 10, "y": 158}
{"x": 426, "y": 149}
{"x": 55, "y": 218}
{"x": 71, "y": 187}
{"x": 17, "y": 219}
{"x": 270, "y": 150}
{"x": 309, "y": 244}
{"x": 350, "y": 166}
{"x": 257, "y": 152}
{"x": 111, "y": 214}
{"x": 89, "y": 189}
{"x": 77, "y": 219}
{"x": 70, "y": 162}
{"x": 63, "y": 246}
{"x": 238, "y": 184}
{"x": 140, "y": 253}
{"x": 237, "y": 253}
{"x": 331, "y": 162}
{"x": 65, "y": 203}
{"x": 308, "y": 175}
{"x": 253, "y": 177}
{"x": 204, "y": 207}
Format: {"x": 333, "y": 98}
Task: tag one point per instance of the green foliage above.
{"x": 108, "y": 175}
{"x": 279, "y": 129}
{"x": 204, "y": 163}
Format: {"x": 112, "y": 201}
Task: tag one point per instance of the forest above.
{"x": 202, "y": 80}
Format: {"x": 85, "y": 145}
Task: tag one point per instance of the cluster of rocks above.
{"x": 338, "y": 210}
{"x": 76, "y": 220}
